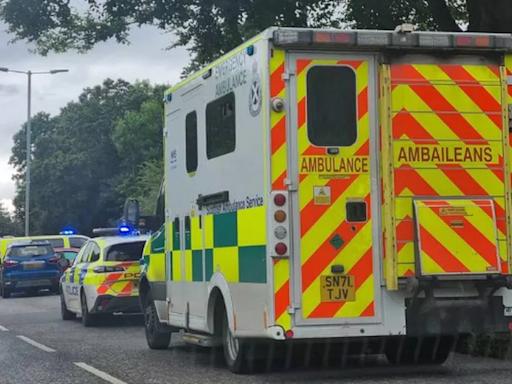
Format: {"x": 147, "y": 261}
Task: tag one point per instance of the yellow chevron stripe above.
{"x": 364, "y": 296}
{"x": 451, "y": 240}
{"x": 348, "y": 256}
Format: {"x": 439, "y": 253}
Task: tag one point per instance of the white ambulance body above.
{"x": 338, "y": 185}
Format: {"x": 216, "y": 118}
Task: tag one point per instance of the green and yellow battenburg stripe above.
{"x": 234, "y": 245}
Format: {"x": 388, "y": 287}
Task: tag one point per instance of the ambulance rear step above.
{"x": 199, "y": 339}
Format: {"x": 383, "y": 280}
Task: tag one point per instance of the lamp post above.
{"x": 29, "y": 144}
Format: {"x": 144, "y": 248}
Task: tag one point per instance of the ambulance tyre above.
{"x": 234, "y": 350}
{"x": 155, "y": 338}
{"x": 65, "y": 313}
{"x": 88, "y": 320}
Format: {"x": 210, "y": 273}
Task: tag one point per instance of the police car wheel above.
{"x": 88, "y": 320}
{"x": 233, "y": 350}
{"x": 154, "y": 338}
{"x": 5, "y": 293}
{"x": 65, "y": 313}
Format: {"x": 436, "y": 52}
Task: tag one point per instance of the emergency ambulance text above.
{"x": 230, "y": 74}
{"x": 445, "y": 155}
{"x": 344, "y": 165}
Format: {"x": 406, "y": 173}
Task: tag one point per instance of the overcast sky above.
{"x": 145, "y": 58}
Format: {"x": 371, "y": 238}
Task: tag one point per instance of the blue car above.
{"x": 29, "y": 266}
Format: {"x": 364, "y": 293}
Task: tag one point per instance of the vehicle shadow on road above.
{"x": 120, "y": 321}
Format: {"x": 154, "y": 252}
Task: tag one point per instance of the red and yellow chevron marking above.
{"x": 447, "y": 142}
{"x": 120, "y": 284}
{"x": 457, "y": 237}
{"x": 321, "y": 223}
{"x": 279, "y": 151}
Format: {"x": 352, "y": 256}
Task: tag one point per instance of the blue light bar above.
{"x": 67, "y": 232}
{"x": 124, "y": 229}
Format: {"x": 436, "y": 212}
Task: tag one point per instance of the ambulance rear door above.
{"x": 336, "y": 205}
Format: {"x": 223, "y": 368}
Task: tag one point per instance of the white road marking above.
{"x": 101, "y": 374}
{"x": 36, "y": 344}
{"x": 3, "y": 329}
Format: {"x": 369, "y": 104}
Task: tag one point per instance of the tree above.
{"x": 209, "y": 28}
{"x": 76, "y": 169}
{"x": 9, "y": 226}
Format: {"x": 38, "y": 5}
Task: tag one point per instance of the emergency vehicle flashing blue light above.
{"x": 169, "y": 97}
{"x": 250, "y": 50}
{"x": 124, "y": 229}
{"x": 67, "y": 232}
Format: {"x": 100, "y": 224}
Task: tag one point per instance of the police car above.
{"x": 103, "y": 278}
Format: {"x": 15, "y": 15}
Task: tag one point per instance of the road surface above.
{"x": 36, "y": 346}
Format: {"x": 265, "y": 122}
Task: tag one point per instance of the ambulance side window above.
{"x": 191, "y": 141}
{"x": 221, "y": 126}
{"x": 332, "y": 106}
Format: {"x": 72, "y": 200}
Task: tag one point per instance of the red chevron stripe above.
{"x": 362, "y": 270}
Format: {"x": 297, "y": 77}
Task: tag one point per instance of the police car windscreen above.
{"x": 126, "y": 251}
{"x": 30, "y": 251}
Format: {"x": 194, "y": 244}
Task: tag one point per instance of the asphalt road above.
{"x": 36, "y": 346}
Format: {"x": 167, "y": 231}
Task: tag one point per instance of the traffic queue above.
{"x": 95, "y": 277}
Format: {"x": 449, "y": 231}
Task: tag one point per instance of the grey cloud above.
{"x": 145, "y": 58}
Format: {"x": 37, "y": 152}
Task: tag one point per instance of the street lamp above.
{"x": 29, "y": 144}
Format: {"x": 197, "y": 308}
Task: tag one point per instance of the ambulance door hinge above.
{"x": 291, "y": 187}
{"x": 167, "y": 212}
{"x": 166, "y": 132}
{"x": 288, "y": 74}
{"x": 292, "y": 308}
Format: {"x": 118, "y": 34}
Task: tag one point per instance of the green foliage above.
{"x": 83, "y": 156}
{"x": 9, "y": 226}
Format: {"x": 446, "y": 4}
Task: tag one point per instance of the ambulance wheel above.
{"x": 65, "y": 314}
{"x": 155, "y": 338}
{"x": 88, "y": 320}
{"x": 234, "y": 350}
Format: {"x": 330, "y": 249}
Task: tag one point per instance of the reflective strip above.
{"x": 320, "y": 223}
{"x": 449, "y": 116}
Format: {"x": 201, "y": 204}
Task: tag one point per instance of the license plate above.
{"x": 32, "y": 265}
{"x": 337, "y": 288}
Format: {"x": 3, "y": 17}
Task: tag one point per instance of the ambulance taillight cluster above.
{"x": 280, "y": 224}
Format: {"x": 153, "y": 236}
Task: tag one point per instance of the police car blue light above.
{"x": 124, "y": 229}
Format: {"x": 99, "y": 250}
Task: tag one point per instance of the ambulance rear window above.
{"x": 220, "y": 126}
{"x": 332, "y": 106}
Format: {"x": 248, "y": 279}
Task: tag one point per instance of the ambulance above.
{"x": 328, "y": 186}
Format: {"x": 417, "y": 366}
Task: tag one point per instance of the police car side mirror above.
{"x": 64, "y": 263}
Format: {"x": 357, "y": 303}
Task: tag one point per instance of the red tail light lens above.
{"x": 281, "y": 249}
{"x": 280, "y": 200}
{"x": 10, "y": 263}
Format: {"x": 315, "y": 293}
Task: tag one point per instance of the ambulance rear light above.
{"x": 281, "y": 249}
{"x": 280, "y": 216}
{"x": 280, "y": 232}
{"x": 403, "y": 38}
{"x": 280, "y": 222}
{"x": 474, "y": 41}
{"x": 279, "y": 199}
{"x": 107, "y": 269}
